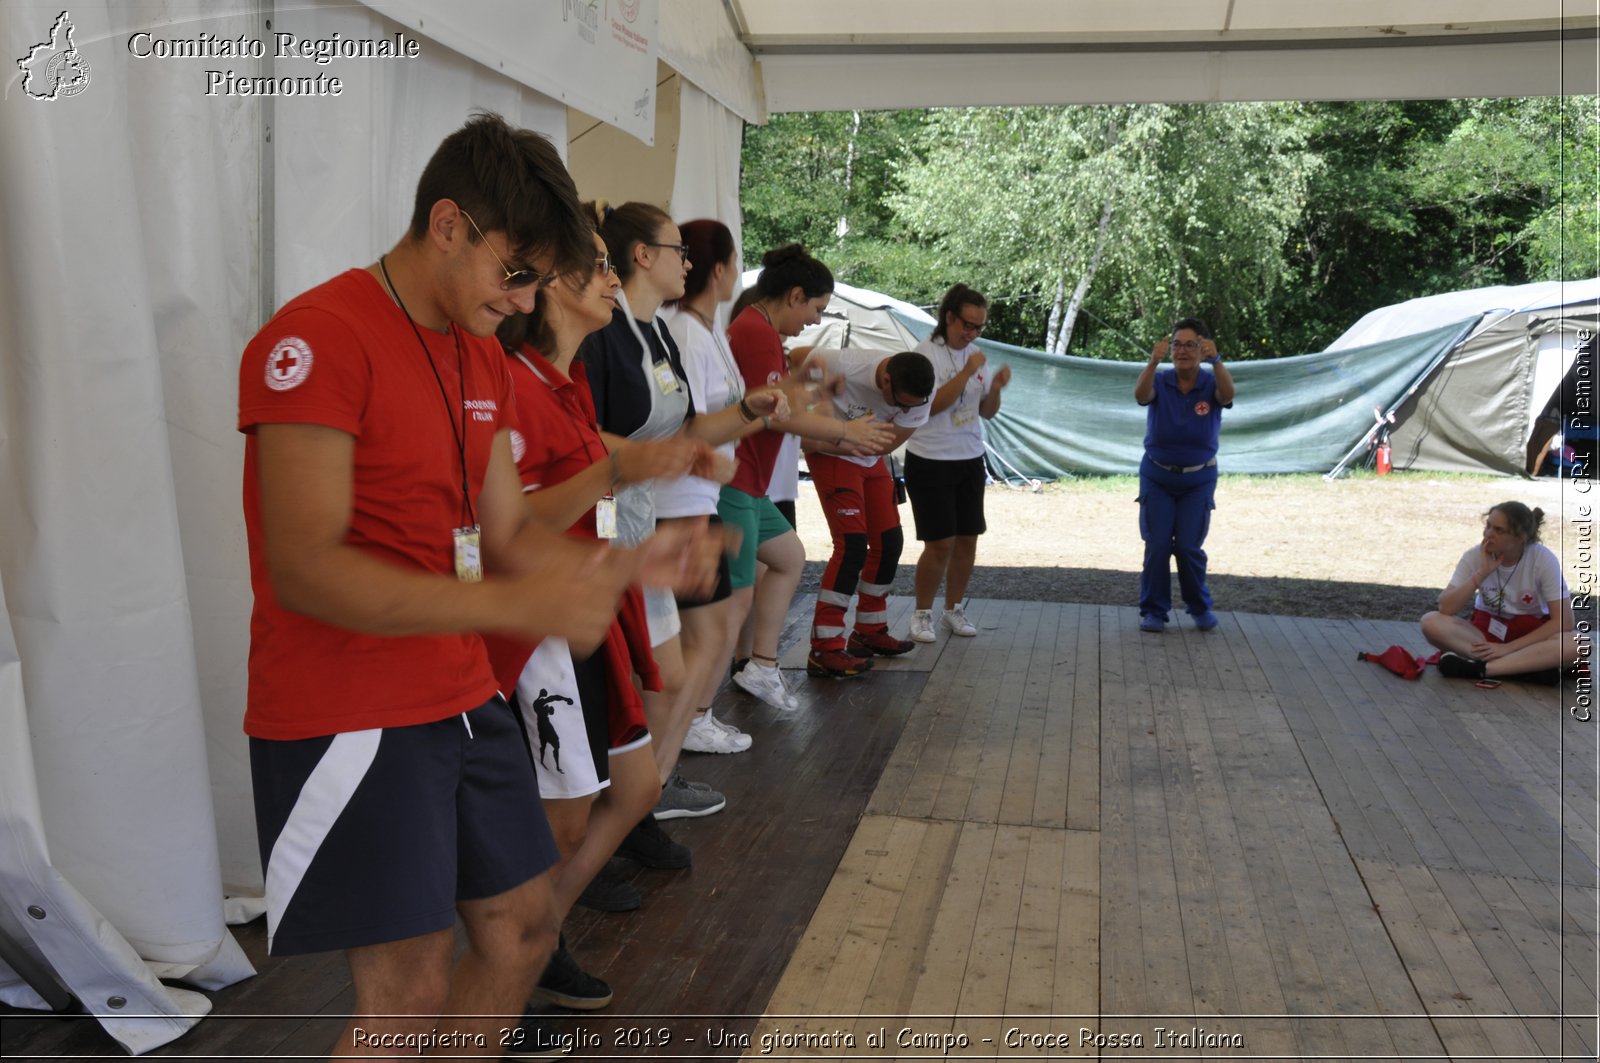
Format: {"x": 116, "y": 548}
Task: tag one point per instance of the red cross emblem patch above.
{"x": 289, "y": 364}
{"x": 1202, "y": 408}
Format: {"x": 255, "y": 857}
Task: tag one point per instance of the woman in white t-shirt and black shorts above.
{"x": 1521, "y": 613}
{"x": 944, "y": 469}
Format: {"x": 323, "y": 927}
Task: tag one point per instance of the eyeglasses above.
{"x": 1186, "y": 345}
{"x": 603, "y": 266}
{"x": 970, "y": 326}
{"x": 519, "y": 278}
{"x": 907, "y": 407}
{"x": 682, "y": 249}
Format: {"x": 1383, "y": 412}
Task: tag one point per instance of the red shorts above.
{"x": 1516, "y": 626}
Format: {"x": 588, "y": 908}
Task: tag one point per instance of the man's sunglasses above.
{"x": 515, "y": 278}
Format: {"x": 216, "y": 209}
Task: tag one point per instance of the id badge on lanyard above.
{"x": 666, "y": 379}
{"x": 469, "y": 554}
{"x": 605, "y": 517}
{"x": 1498, "y": 629}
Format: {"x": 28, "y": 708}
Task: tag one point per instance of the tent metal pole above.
{"x": 266, "y": 177}
{"x": 39, "y": 977}
{"x": 1422, "y": 378}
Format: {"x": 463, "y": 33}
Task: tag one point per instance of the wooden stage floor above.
{"x": 1068, "y": 839}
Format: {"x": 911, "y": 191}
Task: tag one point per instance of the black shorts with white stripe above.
{"x": 373, "y": 836}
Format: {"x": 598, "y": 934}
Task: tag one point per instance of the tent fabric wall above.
{"x": 706, "y": 177}
{"x": 103, "y": 308}
{"x": 135, "y": 224}
{"x": 1475, "y": 411}
{"x": 1064, "y": 415}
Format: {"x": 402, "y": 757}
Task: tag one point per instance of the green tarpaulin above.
{"x": 1064, "y": 415}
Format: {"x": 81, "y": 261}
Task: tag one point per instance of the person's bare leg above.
{"x": 401, "y": 988}
{"x": 748, "y": 623}
{"x": 633, "y": 792}
{"x": 931, "y": 568}
{"x": 569, "y": 823}
{"x": 785, "y": 558}
{"x": 963, "y": 555}
{"x": 1556, "y": 652}
{"x": 510, "y": 937}
{"x": 705, "y": 651}
{"x": 1450, "y": 633}
{"x": 667, "y": 712}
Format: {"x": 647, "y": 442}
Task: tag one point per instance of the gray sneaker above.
{"x": 684, "y": 800}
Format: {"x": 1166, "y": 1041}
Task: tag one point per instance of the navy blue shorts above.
{"x": 373, "y": 836}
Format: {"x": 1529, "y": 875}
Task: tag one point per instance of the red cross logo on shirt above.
{"x": 1202, "y": 408}
{"x": 288, "y": 364}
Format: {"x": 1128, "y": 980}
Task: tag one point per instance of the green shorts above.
{"x": 758, "y": 520}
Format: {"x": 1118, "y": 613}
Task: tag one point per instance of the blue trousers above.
{"x": 1174, "y": 516}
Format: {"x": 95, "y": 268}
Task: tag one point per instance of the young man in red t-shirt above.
{"x": 387, "y": 529}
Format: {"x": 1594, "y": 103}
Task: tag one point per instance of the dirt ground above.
{"x": 1360, "y": 547}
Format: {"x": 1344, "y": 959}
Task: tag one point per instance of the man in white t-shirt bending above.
{"x": 857, "y": 496}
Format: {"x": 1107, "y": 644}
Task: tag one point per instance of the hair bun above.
{"x": 779, "y": 255}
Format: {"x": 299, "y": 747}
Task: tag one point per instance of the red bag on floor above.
{"x": 1398, "y": 660}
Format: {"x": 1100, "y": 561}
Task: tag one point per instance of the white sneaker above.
{"x": 766, "y": 683}
{"x": 706, "y": 737}
{"x": 955, "y": 618}
{"x": 730, "y": 730}
{"x": 922, "y": 626}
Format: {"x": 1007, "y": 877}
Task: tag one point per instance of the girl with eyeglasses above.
{"x": 1178, "y": 475}
{"x": 1521, "y": 612}
{"x": 641, "y": 391}
{"x": 944, "y": 470}
{"x": 584, "y": 720}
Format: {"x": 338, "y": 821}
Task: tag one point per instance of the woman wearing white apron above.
{"x": 641, "y": 393}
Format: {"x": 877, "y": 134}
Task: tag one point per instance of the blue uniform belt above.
{"x": 1185, "y": 468}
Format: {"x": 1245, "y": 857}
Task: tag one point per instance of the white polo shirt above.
{"x": 861, "y": 396}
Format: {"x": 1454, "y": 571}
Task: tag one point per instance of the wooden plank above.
{"x": 811, "y": 964}
{"x": 938, "y": 990}
{"x": 904, "y": 954}
{"x": 1083, "y": 777}
{"x": 999, "y": 743}
{"x": 1039, "y": 758}
{"x": 997, "y": 924}
{"x": 1122, "y": 929}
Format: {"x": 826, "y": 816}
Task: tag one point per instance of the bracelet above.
{"x": 616, "y": 469}
{"x": 746, "y": 412}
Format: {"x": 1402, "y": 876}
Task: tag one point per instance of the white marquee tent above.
{"x": 149, "y": 224}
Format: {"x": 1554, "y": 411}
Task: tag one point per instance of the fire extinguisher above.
{"x": 1383, "y": 459}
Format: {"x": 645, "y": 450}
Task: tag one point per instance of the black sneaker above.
{"x": 1456, "y": 666}
{"x": 649, "y": 845}
{"x": 610, "y": 891}
{"x": 536, "y": 1037}
{"x": 566, "y": 984}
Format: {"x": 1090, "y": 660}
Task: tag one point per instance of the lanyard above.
{"x": 644, "y": 344}
{"x": 469, "y": 517}
{"x": 572, "y": 407}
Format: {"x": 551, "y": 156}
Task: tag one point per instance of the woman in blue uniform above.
{"x": 1178, "y": 476}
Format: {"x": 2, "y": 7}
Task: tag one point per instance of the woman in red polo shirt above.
{"x": 584, "y": 719}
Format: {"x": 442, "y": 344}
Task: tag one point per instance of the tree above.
{"x": 823, "y": 178}
{"x": 1186, "y": 206}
